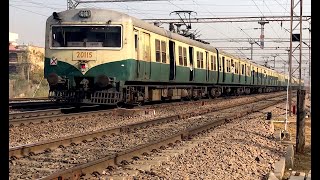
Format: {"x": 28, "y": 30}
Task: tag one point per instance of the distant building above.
{"x": 24, "y": 58}
{"x": 13, "y": 37}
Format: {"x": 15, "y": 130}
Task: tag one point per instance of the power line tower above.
{"x": 294, "y": 37}
{"x": 300, "y": 132}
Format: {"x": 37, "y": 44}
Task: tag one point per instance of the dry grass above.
{"x": 302, "y": 162}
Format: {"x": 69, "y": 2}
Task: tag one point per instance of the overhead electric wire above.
{"x": 264, "y": 15}
{"x": 27, "y": 10}
{"x": 227, "y": 36}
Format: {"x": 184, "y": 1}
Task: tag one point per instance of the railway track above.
{"x": 117, "y": 154}
{"x": 35, "y": 105}
{"x": 51, "y": 115}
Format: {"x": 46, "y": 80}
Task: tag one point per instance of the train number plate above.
{"x": 84, "y": 55}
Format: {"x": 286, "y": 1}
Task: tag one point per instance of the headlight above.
{"x": 84, "y": 13}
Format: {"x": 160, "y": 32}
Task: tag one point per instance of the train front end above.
{"x": 87, "y": 55}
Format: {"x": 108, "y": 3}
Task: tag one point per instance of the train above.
{"x": 101, "y": 56}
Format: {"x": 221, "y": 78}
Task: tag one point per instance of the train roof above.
{"x": 104, "y": 15}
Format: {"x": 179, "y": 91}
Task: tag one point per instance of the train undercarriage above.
{"x": 138, "y": 94}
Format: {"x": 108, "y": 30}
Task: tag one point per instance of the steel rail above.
{"x": 41, "y": 116}
{"x": 118, "y": 159}
{"x": 21, "y": 119}
{"x": 39, "y": 147}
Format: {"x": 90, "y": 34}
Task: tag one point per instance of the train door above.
{"x": 253, "y": 75}
{"x": 261, "y": 74}
{"x": 172, "y": 75}
{"x": 245, "y": 73}
{"x": 223, "y": 70}
{"x": 257, "y": 76}
{"x": 191, "y": 75}
{"x": 218, "y": 64}
{"x": 207, "y": 66}
{"x": 146, "y": 54}
{"x": 216, "y": 68}
{"x": 136, "y": 47}
{"x": 232, "y": 70}
{"x": 264, "y": 77}
{"x": 241, "y": 72}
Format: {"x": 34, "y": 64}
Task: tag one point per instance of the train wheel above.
{"x": 213, "y": 93}
{"x": 140, "y": 103}
{"x": 120, "y": 104}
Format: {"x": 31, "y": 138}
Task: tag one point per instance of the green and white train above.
{"x": 101, "y": 56}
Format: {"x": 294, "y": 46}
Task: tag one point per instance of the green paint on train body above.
{"x": 142, "y": 71}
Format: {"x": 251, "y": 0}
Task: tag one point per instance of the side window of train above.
{"x": 220, "y": 65}
{"x": 201, "y": 59}
{"x": 161, "y": 51}
{"x": 157, "y": 44}
{"x": 164, "y": 51}
{"x": 198, "y": 59}
{"x": 212, "y": 62}
{"x": 180, "y": 55}
{"x": 185, "y": 60}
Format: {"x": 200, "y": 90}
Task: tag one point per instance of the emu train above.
{"x": 101, "y": 56}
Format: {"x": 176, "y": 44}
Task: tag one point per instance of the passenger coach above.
{"x": 107, "y": 57}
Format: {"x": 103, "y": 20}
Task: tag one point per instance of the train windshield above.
{"x": 86, "y": 36}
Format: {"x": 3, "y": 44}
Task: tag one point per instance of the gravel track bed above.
{"x": 44, "y": 164}
{"x": 242, "y": 149}
{"x": 14, "y": 111}
{"x": 33, "y": 133}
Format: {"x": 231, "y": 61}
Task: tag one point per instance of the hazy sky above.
{"x": 28, "y": 17}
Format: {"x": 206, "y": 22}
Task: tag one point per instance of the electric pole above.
{"x": 274, "y": 61}
{"x": 290, "y": 59}
{"x": 251, "y": 41}
{"x": 262, "y": 32}
{"x": 300, "y": 48}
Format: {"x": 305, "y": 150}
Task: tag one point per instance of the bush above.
{"x": 22, "y": 88}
